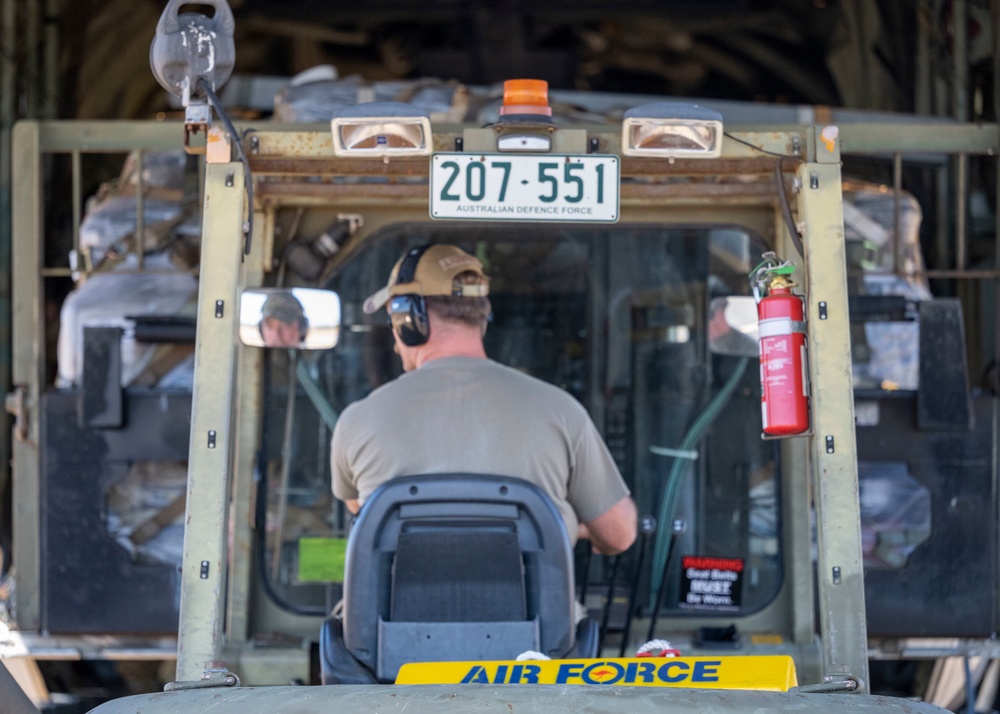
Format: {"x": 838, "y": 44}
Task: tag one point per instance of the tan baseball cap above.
{"x": 284, "y": 306}
{"x": 434, "y": 275}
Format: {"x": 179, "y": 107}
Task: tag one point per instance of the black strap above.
{"x": 408, "y": 269}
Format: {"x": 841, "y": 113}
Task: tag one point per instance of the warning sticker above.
{"x": 711, "y": 583}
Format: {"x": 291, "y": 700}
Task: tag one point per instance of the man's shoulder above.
{"x": 526, "y": 385}
{"x": 506, "y": 373}
{"x": 493, "y": 377}
{"x": 380, "y": 393}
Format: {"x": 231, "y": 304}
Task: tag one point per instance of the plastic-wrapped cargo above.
{"x": 107, "y": 299}
{"x": 110, "y": 224}
{"x": 160, "y": 169}
{"x": 895, "y": 513}
{"x": 106, "y": 227}
{"x": 893, "y": 359}
{"x": 316, "y": 94}
{"x": 144, "y": 511}
{"x": 317, "y": 97}
{"x": 166, "y": 285}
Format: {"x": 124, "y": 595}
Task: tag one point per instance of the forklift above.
{"x": 613, "y": 249}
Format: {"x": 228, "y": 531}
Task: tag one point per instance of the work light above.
{"x": 672, "y": 130}
{"x": 382, "y": 129}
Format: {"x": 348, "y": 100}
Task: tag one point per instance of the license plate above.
{"x": 508, "y": 187}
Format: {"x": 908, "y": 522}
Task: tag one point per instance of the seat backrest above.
{"x": 457, "y": 567}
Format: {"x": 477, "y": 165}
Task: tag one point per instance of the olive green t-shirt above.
{"x": 473, "y": 415}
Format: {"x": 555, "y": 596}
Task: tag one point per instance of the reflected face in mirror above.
{"x": 732, "y": 326}
{"x": 280, "y": 334}
{"x": 283, "y": 320}
{"x": 300, "y": 318}
{"x": 717, "y": 325}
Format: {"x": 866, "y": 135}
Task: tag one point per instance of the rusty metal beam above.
{"x": 275, "y": 193}
{"x": 419, "y": 167}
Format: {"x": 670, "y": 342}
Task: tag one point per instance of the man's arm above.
{"x": 614, "y": 530}
{"x": 341, "y": 479}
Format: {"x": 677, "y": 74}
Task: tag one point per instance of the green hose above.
{"x": 668, "y": 505}
{"x": 315, "y": 394}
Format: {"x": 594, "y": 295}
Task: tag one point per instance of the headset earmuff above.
{"x": 408, "y": 313}
{"x": 410, "y": 321}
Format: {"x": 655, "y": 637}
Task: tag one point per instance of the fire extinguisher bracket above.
{"x": 774, "y": 437}
{"x": 780, "y": 326}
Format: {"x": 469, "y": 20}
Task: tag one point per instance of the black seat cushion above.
{"x": 458, "y": 575}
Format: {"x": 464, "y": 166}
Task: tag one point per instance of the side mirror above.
{"x": 299, "y": 318}
{"x": 732, "y": 326}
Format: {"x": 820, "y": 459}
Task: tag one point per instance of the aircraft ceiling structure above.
{"x": 854, "y": 53}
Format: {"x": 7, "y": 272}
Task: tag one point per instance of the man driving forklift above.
{"x": 455, "y": 410}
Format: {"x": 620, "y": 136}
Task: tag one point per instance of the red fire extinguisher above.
{"x": 784, "y": 398}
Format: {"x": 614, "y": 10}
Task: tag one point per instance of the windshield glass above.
{"x": 618, "y": 317}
